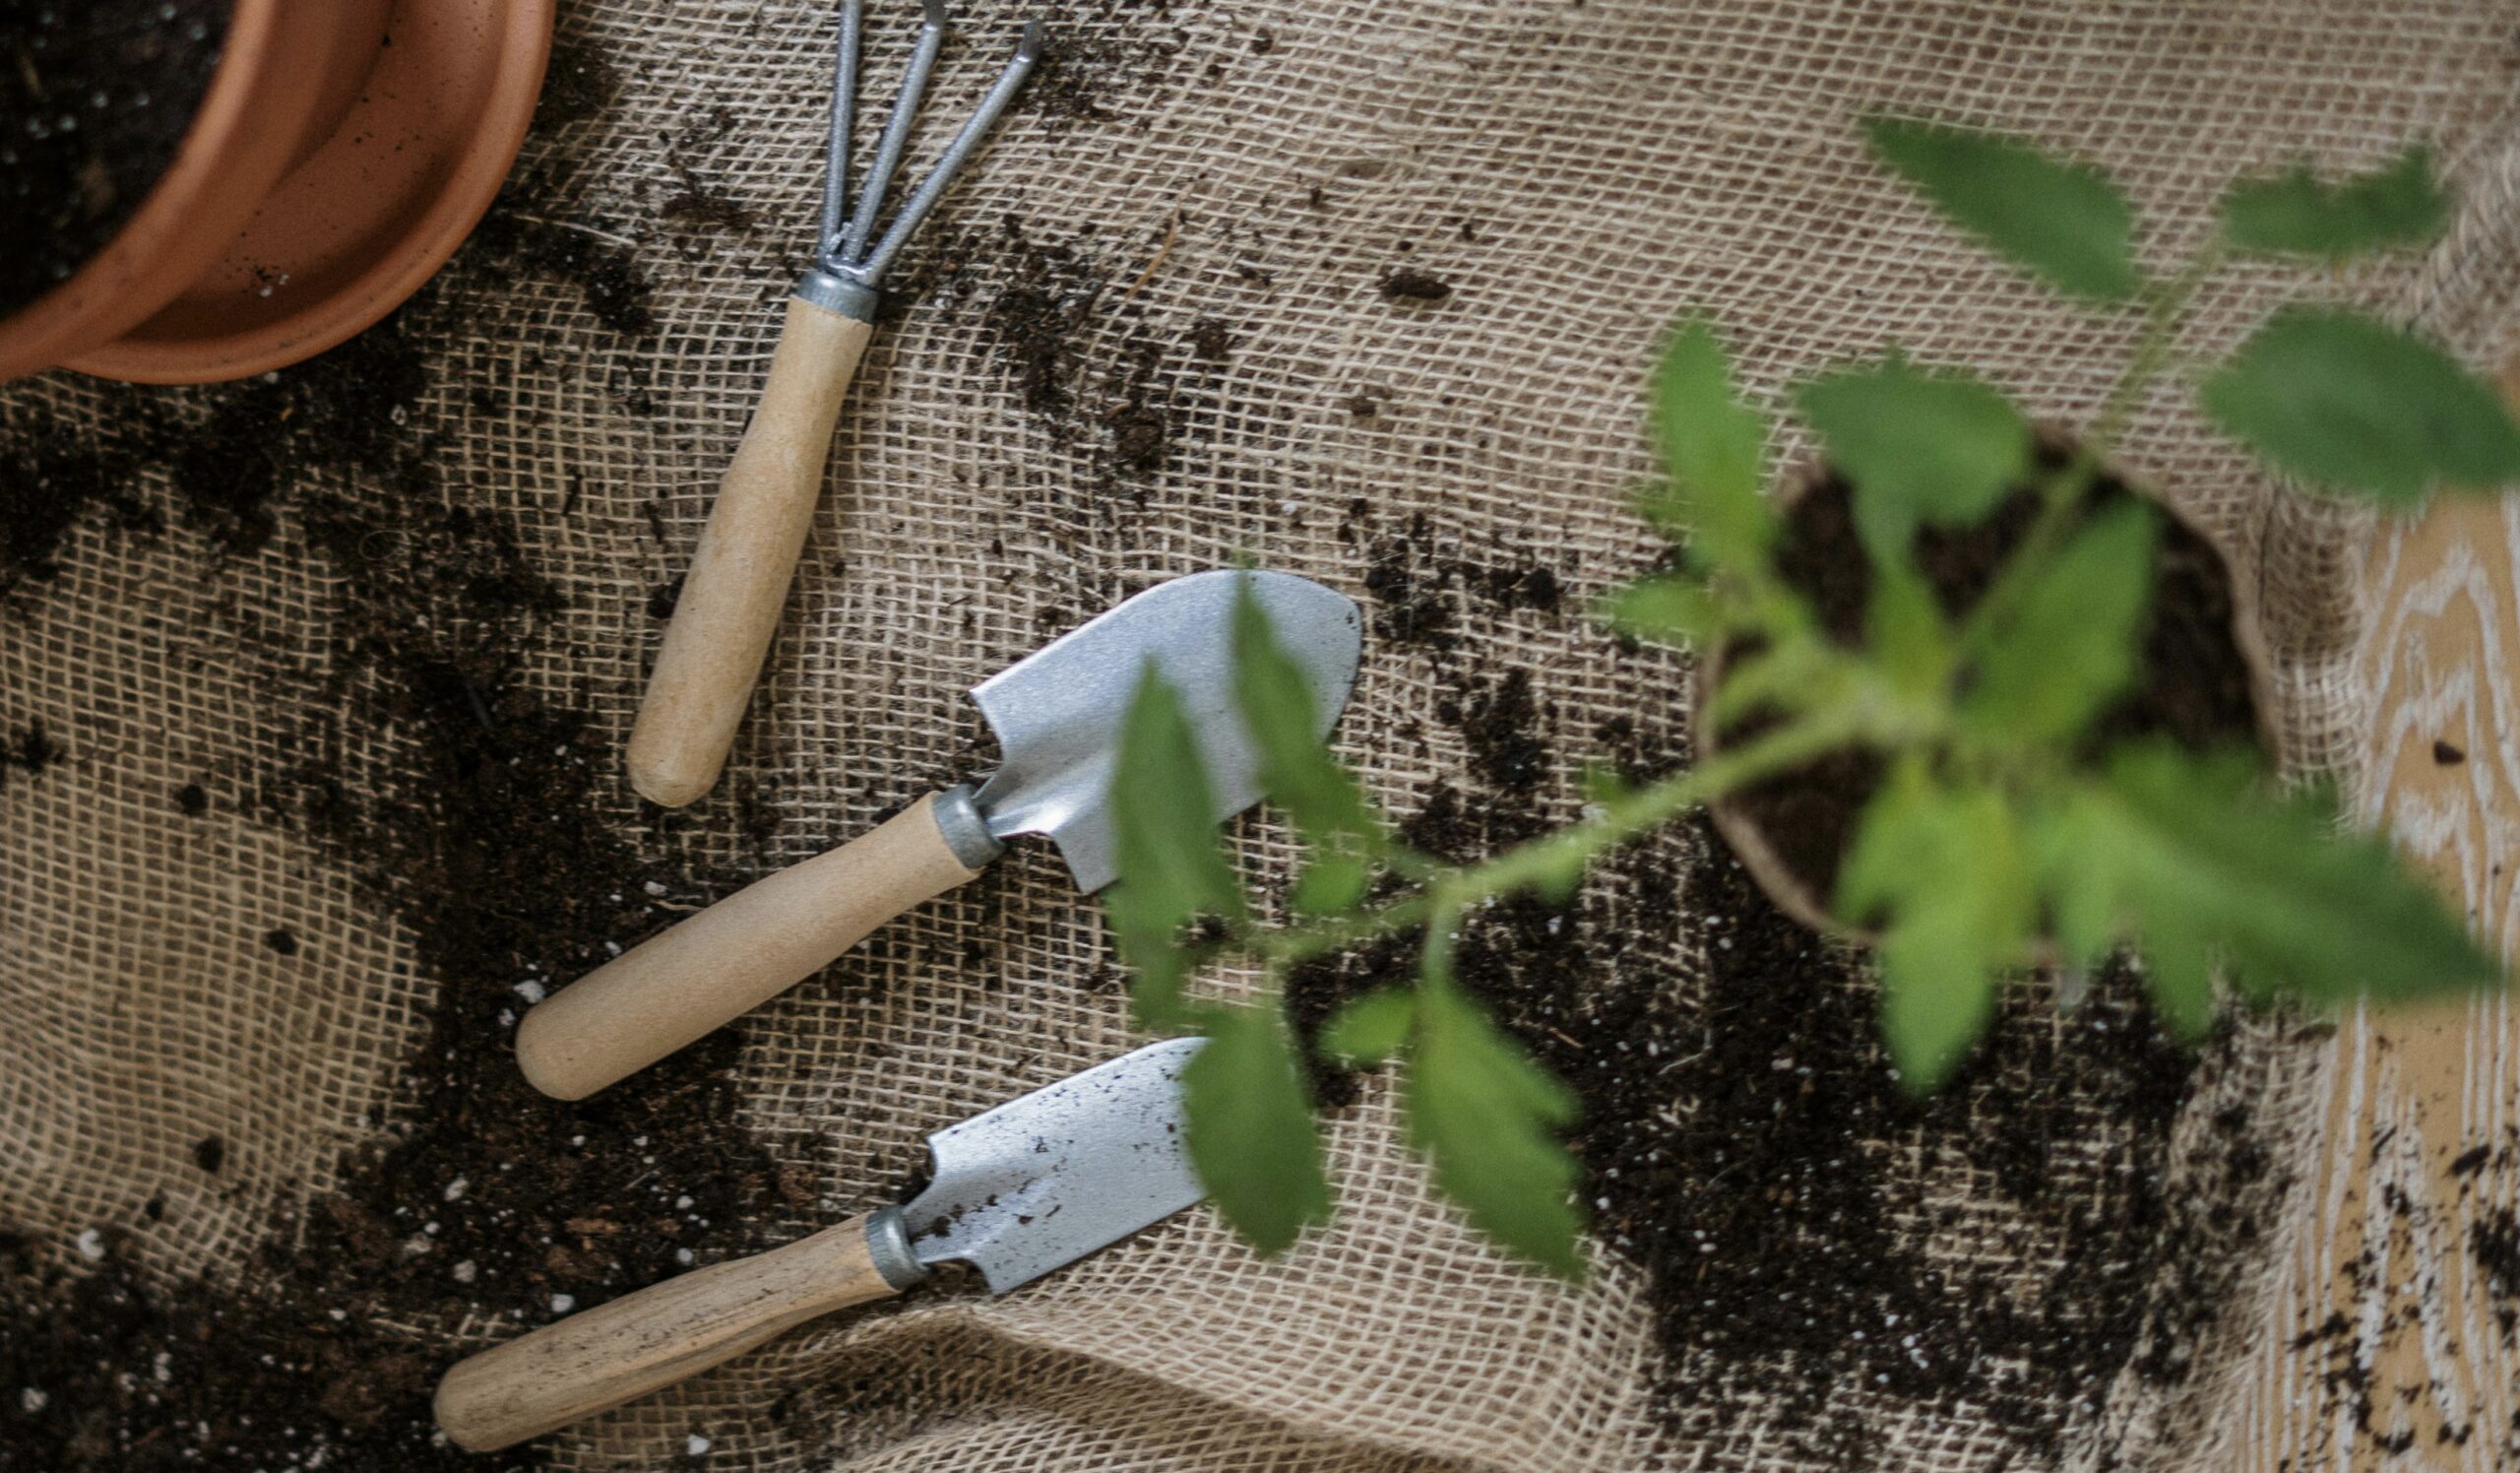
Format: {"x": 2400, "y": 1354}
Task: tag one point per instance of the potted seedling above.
{"x": 207, "y": 189}
{"x": 1967, "y": 696}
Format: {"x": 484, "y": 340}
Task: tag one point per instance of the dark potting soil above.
{"x": 2192, "y": 684}
{"x": 1795, "y": 1212}
{"x": 485, "y": 838}
{"x": 95, "y": 96}
{"x": 1743, "y": 1140}
{"x": 486, "y": 842}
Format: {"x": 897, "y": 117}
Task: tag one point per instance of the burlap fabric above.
{"x": 1577, "y": 174}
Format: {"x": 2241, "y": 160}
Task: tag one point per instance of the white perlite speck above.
{"x": 31, "y": 1401}
{"x": 90, "y": 1244}
{"x": 562, "y": 1303}
{"x": 454, "y": 1190}
{"x": 697, "y": 1444}
{"x": 466, "y": 1271}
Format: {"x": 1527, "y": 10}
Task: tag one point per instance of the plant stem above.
{"x": 2062, "y": 492}
{"x": 1565, "y": 852}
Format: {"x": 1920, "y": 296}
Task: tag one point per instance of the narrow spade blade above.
{"x": 1041, "y": 1182}
{"x": 1057, "y": 713}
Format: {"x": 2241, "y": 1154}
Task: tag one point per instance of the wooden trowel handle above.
{"x": 624, "y": 1349}
{"x": 730, "y": 599}
{"x": 723, "y": 963}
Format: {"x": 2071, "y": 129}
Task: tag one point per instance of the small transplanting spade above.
{"x": 2006, "y": 832}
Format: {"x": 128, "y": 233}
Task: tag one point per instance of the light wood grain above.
{"x": 622, "y": 1350}
{"x": 731, "y": 599}
{"x": 712, "y": 968}
{"x": 2389, "y": 1347}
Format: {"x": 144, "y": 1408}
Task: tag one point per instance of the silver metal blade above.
{"x": 1057, "y": 713}
{"x": 1041, "y": 1182}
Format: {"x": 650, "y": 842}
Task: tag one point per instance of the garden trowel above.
{"x": 1031, "y": 1185}
{"x": 1058, "y": 716}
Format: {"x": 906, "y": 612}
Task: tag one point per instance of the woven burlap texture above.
{"x": 1579, "y": 174}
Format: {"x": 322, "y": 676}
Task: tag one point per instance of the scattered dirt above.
{"x": 96, "y": 97}
{"x": 2193, "y": 684}
{"x": 579, "y": 83}
{"x": 1746, "y": 1142}
{"x": 1094, "y": 366}
{"x": 1742, "y": 1137}
{"x": 2447, "y": 755}
{"x": 1080, "y": 70}
{"x": 1500, "y": 722}
{"x": 480, "y": 1200}
{"x": 699, "y": 209}
{"x": 47, "y": 483}
{"x": 1420, "y": 587}
{"x": 1408, "y": 283}
{"x": 519, "y": 238}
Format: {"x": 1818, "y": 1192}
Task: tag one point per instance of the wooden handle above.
{"x": 730, "y": 958}
{"x": 747, "y": 556}
{"x": 620, "y": 1351}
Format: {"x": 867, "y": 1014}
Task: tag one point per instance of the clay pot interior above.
{"x": 1788, "y": 832}
{"x": 339, "y": 155}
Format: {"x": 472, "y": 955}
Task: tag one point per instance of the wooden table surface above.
{"x": 2394, "y": 1344}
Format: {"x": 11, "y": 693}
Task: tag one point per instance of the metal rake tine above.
{"x": 896, "y": 135}
{"x": 844, "y": 113}
{"x": 930, "y": 189}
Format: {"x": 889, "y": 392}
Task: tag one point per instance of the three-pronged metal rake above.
{"x": 747, "y": 555}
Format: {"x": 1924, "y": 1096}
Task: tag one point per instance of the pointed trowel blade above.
{"x": 1057, "y": 713}
{"x": 1041, "y": 1182}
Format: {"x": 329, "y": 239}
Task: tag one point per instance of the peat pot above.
{"x": 2204, "y": 678}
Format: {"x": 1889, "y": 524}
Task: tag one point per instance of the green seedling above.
{"x": 2001, "y": 837}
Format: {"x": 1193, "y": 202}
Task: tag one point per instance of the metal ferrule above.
{"x": 888, "y": 1245}
{"x": 833, "y": 292}
{"x": 965, "y": 831}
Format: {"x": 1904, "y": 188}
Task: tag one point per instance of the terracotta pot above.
{"x": 344, "y": 148}
{"x": 1749, "y": 842}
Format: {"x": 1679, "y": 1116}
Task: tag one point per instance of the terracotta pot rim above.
{"x": 1749, "y": 842}
{"x": 188, "y": 200}
{"x": 520, "y": 35}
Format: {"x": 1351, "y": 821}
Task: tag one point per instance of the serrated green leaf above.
{"x": 2210, "y": 863}
{"x": 1947, "y": 875}
{"x": 2347, "y": 403}
{"x": 1785, "y": 677}
{"x": 1665, "y": 609}
{"x": 1714, "y": 451}
{"x": 1251, "y": 1135}
{"x": 2287, "y": 896}
{"x": 1920, "y": 446}
{"x": 1371, "y": 1029}
{"x": 2292, "y": 214}
{"x": 1171, "y": 867}
{"x": 1906, "y": 632}
{"x": 1296, "y": 770}
{"x": 2178, "y": 972}
{"x": 1331, "y": 883}
{"x": 2071, "y": 644}
{"x": 2086, "y": 910}
{"x": 2063, "y": 222}
{"x": 1488, "y": 1119}
{"x": 1936, "y": 998}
